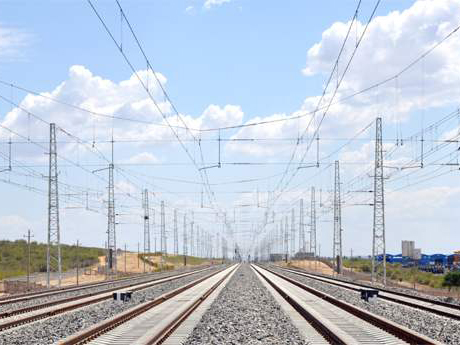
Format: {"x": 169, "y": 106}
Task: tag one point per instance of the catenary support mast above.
{"x": 53, "y": 253}
{"x": 337, "y": 247}
{"x": 378, "y": 238}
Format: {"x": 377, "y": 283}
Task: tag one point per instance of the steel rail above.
{"x": 55, "y": 291}
{"x": 167, "y": 331}
{"x": 105, "y": 326}
{"x": 86, "y": 300}
{"x": 413, "y": 304}
{"x": 388, "y": 326}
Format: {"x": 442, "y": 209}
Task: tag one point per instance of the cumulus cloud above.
{"x": 210, "y": 3}
{"x": 142, "y": 158}
{"x": 215, "y": 116}
{"x": 12, "y": 40}
{"x": 99, "y": 95}
{"x": 391, "y": 42}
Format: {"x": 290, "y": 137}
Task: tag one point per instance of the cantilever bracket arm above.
{"x": 210, "y": 167}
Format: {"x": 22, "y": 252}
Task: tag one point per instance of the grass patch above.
{"x": 171, "y": 261}
{"x": 14, "y": 254}
{"x": 398, "y": 273}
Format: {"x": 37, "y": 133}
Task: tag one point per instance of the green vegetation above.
{"x": 452, "y": 280}
{"x": 191, "y": 260}
{"x": 397, "y": 273}
{"x": 360, "y": 265}
{"x": 14, "y": 255}
{"x": 172, "y": 261}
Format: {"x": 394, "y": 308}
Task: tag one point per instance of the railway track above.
{"x": 335, "y": 321}
{"x": 433, "y": 306}
{"x": 44, "y": 310}
{"x": 57, "y": 291}
{"x": 153, "y": 322}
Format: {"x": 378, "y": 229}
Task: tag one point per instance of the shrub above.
{"x": 452, "y": 280}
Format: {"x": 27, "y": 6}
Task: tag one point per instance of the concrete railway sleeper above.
{"x": 433, "y": 306}
{"x": 58, "y": 291}
{"x": 49, "y": 309}
{"x": 337, "y": 321}
{"x": 154, "y": 321}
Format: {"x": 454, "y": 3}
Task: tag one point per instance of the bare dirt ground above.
{"x": 310, "y": 265}
{"x": 126, "y": 262}
{"x": 320, "y": 267}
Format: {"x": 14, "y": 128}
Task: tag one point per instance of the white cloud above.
{"x": 15, "y": 227}
{"x": 210, "y": 3}
{"x": 12, "y": 40}
{"x": 391, "y": 42}
{"x": 126, "y": 98}
{"x": 215, "y": 116}
{"x": 142, "y": 158}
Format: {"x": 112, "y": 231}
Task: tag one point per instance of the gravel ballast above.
{"x": 245, "y": 313}
{"x": 51, "y": 330}
{"x": 408, "y": 291}
{"x": 436, "y": 327}
{"x": 67, "y": 294}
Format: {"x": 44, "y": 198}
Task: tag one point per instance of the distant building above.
{"x": 408, "y": 248}
{"x": 277, "y": 257}
{"x": 417, "y": 254}
{"x": 303, "y": 255}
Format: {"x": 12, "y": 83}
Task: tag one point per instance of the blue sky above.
{"x": 245, "y": 52}
{"x": 228, "y": 63}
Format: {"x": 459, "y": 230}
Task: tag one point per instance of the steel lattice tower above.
{"x": 199, "y": 233}
{"x": 154, "y": 231}
{"x": 378, "y": 238}
{"x": 313, "y": 223}
{"x": 176, "y": 235}
{"x": 53, "y": 253}
{"x": 292, "y": 233}
{"x": 184, "y": 244}
{"x": 192, "y": 249}
{"x": 286, "y": 237}
{"x": 163, "y": 229}
{"x": 111, "y": 235}
{"x": 280, "y": 237}
{"x": 337, "y": 248}
{"x": 301, "y": 228}
{"x": 145, "y": 205}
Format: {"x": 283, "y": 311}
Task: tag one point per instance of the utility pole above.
{"x": 53, "y": 253}
{"x": 28, "y": 257}
{"x": 163, "y": 233}
{"x": 280, "y": 237}
{"x": 301, "y": 229}
{"x": 337, "y": 247}
{"x": 378, "y": 233}
{"x": 185, "y": 240}
{"x": 192, "y": 249}
{"x": 197, "y": 247}
{"x": 176, "y": 239}
{"x": 138, "y": 253}
{"x": 199, "y": 243}
{"x": 292, "y": 233}
{"x": 78, "y": 261}
{"x": 145, "y": 204}
{"x": 319, "y": 255}
{"x": 351, "y": 259}
{"x": 154, "y": 230}
{"x": 125, "y": 258}
{"x": 286, "y": 238}
{"x": 313, "y": 223}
